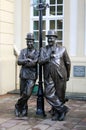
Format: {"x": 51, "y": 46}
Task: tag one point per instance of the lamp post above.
{"x": 40, "y": 99}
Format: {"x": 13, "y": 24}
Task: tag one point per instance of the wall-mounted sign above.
{"x": 79, "y": 71}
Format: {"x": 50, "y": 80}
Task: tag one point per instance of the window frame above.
{"x": 47, "y": 18}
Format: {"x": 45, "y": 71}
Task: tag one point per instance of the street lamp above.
{"x": 40, "y": 6}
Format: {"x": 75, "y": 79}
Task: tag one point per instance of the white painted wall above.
{"x": 7, "y": 59}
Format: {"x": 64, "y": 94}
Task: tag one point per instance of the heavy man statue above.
{"x": 56, "y": 68}
{"x": 28, "y": 74}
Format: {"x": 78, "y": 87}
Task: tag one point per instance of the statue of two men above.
{"x": 56, "y": 71}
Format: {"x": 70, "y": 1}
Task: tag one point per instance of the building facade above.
{"x": 18, "y": 17}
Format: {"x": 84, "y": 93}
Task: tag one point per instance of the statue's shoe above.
{"x": 24, "y": 111}
{"x": 55, "y": 117}
{"x": 63, "y": 113}
{"x": 17, "y": 112}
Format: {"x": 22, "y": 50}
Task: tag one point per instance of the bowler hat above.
{"x": 51, "y": 33}
{"x": 30, "y": 36}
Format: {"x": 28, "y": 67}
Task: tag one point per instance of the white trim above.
{"x": 85, "y": 28}
{"x": 31, "y": 14}
{"x": 73, "y": 27}
{"x": 63, "y": 24}
{"x": 18, "y": 25}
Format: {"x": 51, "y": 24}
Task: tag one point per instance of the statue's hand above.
{"x": 53, "y": 55}
{"x": 27, "y": 60}
{"x": 67, "y": 79}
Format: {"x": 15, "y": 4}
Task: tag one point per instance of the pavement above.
{"x": 75, "y": 118}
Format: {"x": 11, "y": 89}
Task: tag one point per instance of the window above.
{"x": 52, "y": 19}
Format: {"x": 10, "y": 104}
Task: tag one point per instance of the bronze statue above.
{"x": 28, "y": 74}
{"x": 56, "y": 69}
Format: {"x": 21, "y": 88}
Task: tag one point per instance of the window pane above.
{"x": 59, "y": 24}
{"x": 35, "y": 2}
{"x": 52, "y": 10}
{"x": 36, "y": 25}
{"x": 59, "y": 10}
{"x": 52, "y": 24}
{"x": 36, "y": 45}
{"x": 59, "y": 1}
{"x": 35, "y": 12}
{"x": 36, "y": 35}
{"x": 44, "y": 25}
{"x": 52, "y": 1}
{"x": 43, "y": 35}
{"x": 59, "y": 35}
{"x": 43, "y": 44}
{"x": 44, "y": 12}
{"x": 60, "y": 43}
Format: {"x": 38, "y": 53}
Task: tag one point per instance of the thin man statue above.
{"x": 28, "y": 74}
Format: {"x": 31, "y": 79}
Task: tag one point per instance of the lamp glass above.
{"x": 36, "y": 2}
